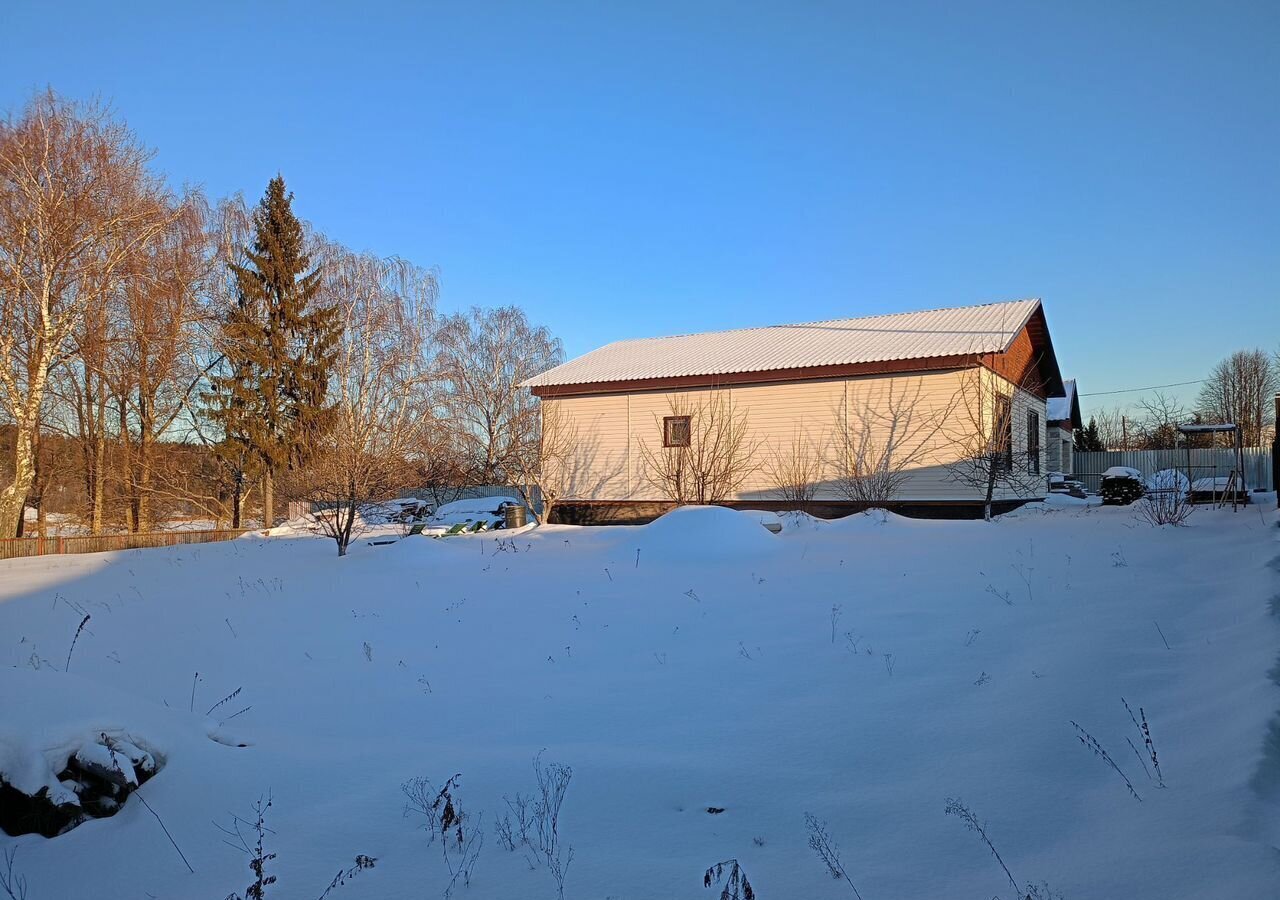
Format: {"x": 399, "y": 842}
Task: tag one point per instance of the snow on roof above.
{"x": 1204, "y": 429}
{"x": 1058, "y": 409}
{"x": 988, "y": 328}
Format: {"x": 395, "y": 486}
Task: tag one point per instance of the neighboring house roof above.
{"x": 954, "y": 332}
{"x": 1065, "y": 408}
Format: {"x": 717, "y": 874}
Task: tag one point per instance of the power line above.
{"x": 1153, "y": 387}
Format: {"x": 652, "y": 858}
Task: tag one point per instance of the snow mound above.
{"x": 770, "y": 520}
{"x": 798, "y": 520}
{"x": 698, "y": 532}
{"x": 861, "y": 521}
{"x": 1169, "y": 480}
{"x": 79, "y": 748}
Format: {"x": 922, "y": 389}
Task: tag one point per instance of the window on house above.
{"x": 1033, "y": 441}
{"x": 1004, "y": 431}
{"x": 1066, "y": 457}
{"x": 675, "y": 431}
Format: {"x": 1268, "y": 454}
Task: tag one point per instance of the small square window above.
{"x": 675, "y": 431}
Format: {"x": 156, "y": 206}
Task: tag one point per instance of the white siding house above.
{"x": 918, "y": 386}
{"x": 1063, "y": 413}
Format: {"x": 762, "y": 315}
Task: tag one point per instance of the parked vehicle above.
{"x": 1122, "y": 485}
{"x": 406, "y": 510}
{"x": 475, "y": 514}
{"x": 1065, "y": 484}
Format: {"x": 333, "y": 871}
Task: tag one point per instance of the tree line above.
{"x": 162, "y": 353}
{"x": 1239, "y": 390}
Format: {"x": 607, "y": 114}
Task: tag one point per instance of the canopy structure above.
{"x": 1233, "y": 486}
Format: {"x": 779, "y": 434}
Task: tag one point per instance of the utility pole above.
{"x": 1275, "y": 454}
{"x": 1124, "y": 431}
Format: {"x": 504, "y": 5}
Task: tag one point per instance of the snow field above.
{"x": 703, "y": 671}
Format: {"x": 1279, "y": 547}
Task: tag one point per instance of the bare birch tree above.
{"x": 156, "y": 366}
{"x": 552, "y": 457}
{"x": 1240, "y": 390}
{"x": 75, "y": 201}
{"x": 442, "y": 463}
{"x": 983, "y": 433}
{"x": 378, "y": 388}
{"x": 231, "y": 232}
{"x": 483, "y": 358}
{"x": 1161, "y": 414}
{"x": 707, "y": 452}
{"x": 1114, "y": 428}
{"x": 80, "y": 392}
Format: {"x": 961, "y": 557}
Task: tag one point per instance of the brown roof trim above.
{"x": 771, "y": 376}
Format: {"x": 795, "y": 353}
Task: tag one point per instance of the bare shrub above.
{"x": 794, "y": 470}
{"x": 258, "y": 857}
{"x": 83, "y": 622}
{"x": 1090, "y": 743}
{"x": 553, "y": 782}
{"x": 711, "y": 462}
{"x": 821, "y": 843}
{"x": 1170, "y": 507}
{"x": 514, "y": 834}
{"x": 736, "y": 885}
{"x": 956, "y": 807}
{"x": 362, "y": 862}
{"x": 11, "y": 882}
{"x": 442, "y": 817}
{"x": 886, "y": 428}
{"x": 1144, "y": 729}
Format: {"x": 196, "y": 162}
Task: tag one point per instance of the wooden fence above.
{"x": 18, "y": 548}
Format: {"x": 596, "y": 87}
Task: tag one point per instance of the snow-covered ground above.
{"x": 863, "y": 670}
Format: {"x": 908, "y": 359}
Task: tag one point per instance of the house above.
{"x": 830, "y": 416}
{"x": 1063, "y": 414}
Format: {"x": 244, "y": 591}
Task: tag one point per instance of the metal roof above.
{"x": 1058, "y": 409}
{"x": 963, "y": 330}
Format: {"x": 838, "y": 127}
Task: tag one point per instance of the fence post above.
{"x": 62, "y": 544}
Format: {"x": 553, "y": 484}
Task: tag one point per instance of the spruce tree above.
{"x": 1088, "y": 439}
{"x": 279, "y": 344}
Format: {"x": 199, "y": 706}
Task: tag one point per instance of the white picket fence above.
{"x": 1088, "y": 467}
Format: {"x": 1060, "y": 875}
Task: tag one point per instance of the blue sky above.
{"x": 624, "y": 170}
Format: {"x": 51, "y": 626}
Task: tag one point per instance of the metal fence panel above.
{"x": 1088, "y": 467}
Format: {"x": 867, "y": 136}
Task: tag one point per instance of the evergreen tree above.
{"x": 1088, "y": 439}
{"x": 279, "y": 344}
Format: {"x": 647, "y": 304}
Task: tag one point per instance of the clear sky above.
{"x": 635, "y": 169}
